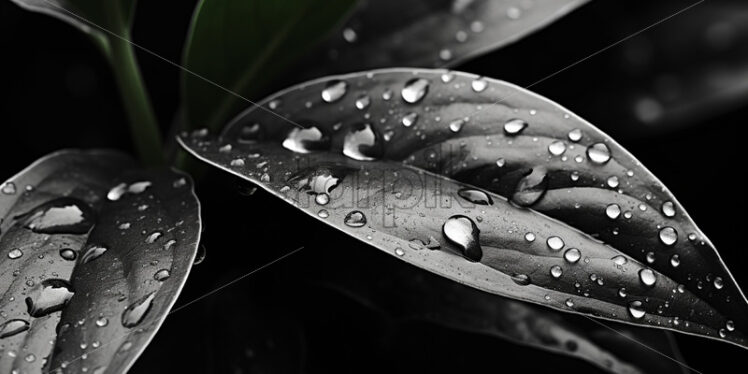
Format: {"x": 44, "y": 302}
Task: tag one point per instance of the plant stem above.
{"x": 143, "y": 125}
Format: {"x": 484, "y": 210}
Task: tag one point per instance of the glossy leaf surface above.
{"x": 393, "y": 158}
{"x": 94, "y": 253}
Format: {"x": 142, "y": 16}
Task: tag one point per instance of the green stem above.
{"x": 143, "y": 125}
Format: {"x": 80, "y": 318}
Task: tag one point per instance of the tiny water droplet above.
{"x": 521, "y": 279}
{"x": 462, "y": 231}
{"x": 598, "y": 153}
{"x": 8, "y": 188}
{"x": 102, "y": 321}
{"x": 363, "y": 102}
{"x": 162, "y": 275}
{"x": 456, "y": 125}
{"x": 514, "y": 126}
{"x": 575, "y": 135}
{"x": 153, "y": 237}
{"x": 334, "y": 90}
{"x": 349, "y": 35}
{"x": 513, "y": 13}
{"x": 613, "y": 182}
{"x": 556, "y": 271}
{"x": 530, "y": 237}
{"x": 15, "y": 253}
{"x": 569, "y": 303}
{"x": 237, "y": 162}
{"x": 613, "y": 211}
{"x": 557, "y": 148}
{"x": 323, "y": 213}
{"x": 414, "y": 90}
{"x": 675, "y": 261}
{"x": 479, "y": 84}
{"x": 447, "y": 77}
{"x": 668, "y": 209}
{"x": 500, "y": 162}
{"x": 622, "y": 292}
{"x": 68, "y": 254}
{"x": 718, "y": 283}
{"x": 134, "y": 314}
{"x": 399, "y": 251}
{"x": 355, "y": 218}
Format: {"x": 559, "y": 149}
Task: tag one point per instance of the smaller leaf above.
{"x": 94, "y": 253}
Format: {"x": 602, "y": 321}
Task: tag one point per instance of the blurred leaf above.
{"x": 430, "y": 33}
{"x": 416, "y": 295}
{"x": 94, "y": 254}
{"x": 573, "y": 217}
{"x": 242, "y": 44}
{"x": 114, "y": 16}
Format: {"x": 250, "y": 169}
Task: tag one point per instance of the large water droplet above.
{"x": 134, "y": 314}
{"x": 668, "y": 235}
{"x": 636, "y": 309}
{"x": 414, "y": 90}
{"x": 362, "y": 143}
{"x": 462, "y": 231}
{"x": 306, "y": 140}
{"x": 475, "y": 196}
{"x": 531, "y": 188}
{"x": 355, "y": 218}
{"x": 334, "y": 90}
{"x": 93, "y": 253}
{"x": 613, "y": 211}
{"x": 598, "y": 153}
{"x": 572, "y": 255}
{"x": 13, "y": 327}
{"x": 514, "y": 126}
{"x": 555, "y": 243}
{"x": 647, "y": 277}
{"x": 63, "y": 215}
{"x": 49, "y": 296}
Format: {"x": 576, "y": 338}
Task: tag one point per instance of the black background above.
{"x": 57, "y": 92}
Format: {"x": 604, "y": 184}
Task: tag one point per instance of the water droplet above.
{"x": 445, "y": 54}
{"x": 569, "y": 303}
{"x": 138, "y": 187}
{"x": 462, "y": 231}
{"x": 414, "y": 90}
{"x": 479, "y": 84}
{"x": 134, "y": 314}
{"x": 572, "y": 255}
{"x": 613, "y": 182}
{"x": 13, "y": 327}
{"x": 237, "y": 162}
{"x": 531, "y": 188}
{"x": 513, "y": 13}
{"x": 363, "y": 102}
{"x": 30, "y": 357}
{"x": 718, "y": 283}
{"x": 102, "y": 321}
{"x": 668, "y": 235}
{"x": 636, "y": 309}
{"x": 622, "y": 292}
{"x": 50, "y": 296}
{"x": 322, "y": 199}
{"x": 399, "y": 251}
{"x": 598, "y": 153}
{"x": 668, "y": 209}
{"x": 500, "y": 162}
{"x": 521, "y": 279}
{"x": 306, "y": 140}
{"x": 675, "y": 261}
{"x": 557, "y": 148}
{"x": 63, "y": 215}
{"x": 200, "y": 255}
{"x": 530, "y": 237}
{"x": 355, "y": 218}
{"x": 475, "y": 196}
{"x": 447, "y": 77}
{"x": 334, "y": 90}
{"x": 650, "y": 257}
{"x": 575, "y": 135}
{"x": 225, "y": 149}
{"x": 555, "y": 243}
{"x": 556, "y": 271}
{"x": 8, "y": 188}
{"x": 730, "y": 325}
{"x": 514, "y": 126}
{"x": 323, "y": 213}
{"x": 93, "y": 253}
{"x": 68, "y": 254}
{"x": 162, "y": 275}
{"x": 647, "y": 277}
{"x": 410, "y": 119}
{"x": 613, "y": 211}
{"x": 361, "y": 143}
{"x": 153, "y": 237}
{"x": 15, "y": 253}
{"x": 349, "y": 35}
{"x": 456, "y": 125}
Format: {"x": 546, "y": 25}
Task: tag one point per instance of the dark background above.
{"x": 57, "y": 92}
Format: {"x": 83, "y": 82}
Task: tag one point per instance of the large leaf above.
{"x": 94, "y": 254}
{"x": 571, "y": 219}
{"x": 240, "y": 44}
{"x": 431, "y": 33}
{"x": 409, "y": 295}
{"x": 114, "y": 16}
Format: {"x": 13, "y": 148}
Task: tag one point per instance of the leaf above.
{"x": 114, "y": 16}
{"x": 94, "y": 254}
{"x": 417, "y": 295}
{"x": 427, "y": 33}
{"x": 571, "y": 214}
{"x": 241, "y": 44}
